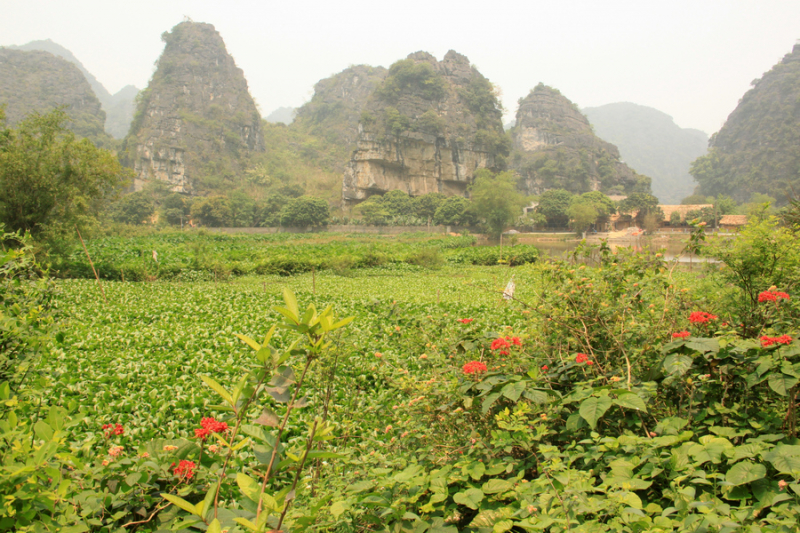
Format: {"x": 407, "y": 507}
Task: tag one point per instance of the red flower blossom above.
{"x": 113, "y": 429}
{"x": 681, "y": 335}
{"x": 701, "y": 317}
{"x": 582, "y": 358}
{"x": 202, "y": 433}
{"x": 772, "y": 296}
{"x": 769, "y": 341}
{"x": 184, "y": 470}
{"x": 544, "y": 368}
{"x": 515, "y": 341}
{"x": 465, "y": 320}
{"x": 474, "y": 367}
{"x": 213, "y": 425}
{"x": 502, "y": 345}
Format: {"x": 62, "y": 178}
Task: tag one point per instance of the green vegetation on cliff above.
{"x": 39, "y": 82}
{"x": 555, "y": 148}
{"x": 758, "y": 148}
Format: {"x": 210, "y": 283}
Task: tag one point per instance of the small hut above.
{"x": 732, "y": 222}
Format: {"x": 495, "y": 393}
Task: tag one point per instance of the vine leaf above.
{"x": 593, "y": 408}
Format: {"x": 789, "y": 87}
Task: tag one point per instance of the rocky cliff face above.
{"x": 39, "y": 81}
{"x": 426, "y": 128}
{"x": 118, "y": 107}
{"x": 758, "y": 148}
{"x": 196, "y": 122}
{"x": 650, "y": 142}
{"x": 555, "y": 148}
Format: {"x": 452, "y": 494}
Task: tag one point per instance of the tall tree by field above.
{"x": 306, "y": 211}
{"x": 641, "y": 204}
{"x": 49, "y": 180}
{"x": 554, "y": 205}
{"x": 495, "y": 200}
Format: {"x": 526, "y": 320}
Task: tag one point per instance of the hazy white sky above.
{"x": 692, "y": 59}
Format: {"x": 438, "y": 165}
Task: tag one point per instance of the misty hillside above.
{"x": 758, "y": 148}
{"x": 651, "y": 143}
{"x": 284, "y": 115}
{"x": 39, "y": 82}
{"x": 118, "y": 107}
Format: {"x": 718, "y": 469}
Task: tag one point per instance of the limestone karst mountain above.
{"x": 335, "y": 109}
{"x": 38, "y": 81}
{"x": 650, "y": 142}
{"x": 758, "y": 148}
{"x": 196, "y": 124}
{"x": 555, "y": 148}
{"x": 118, "y": 107}
{"x": 427, "y": 127}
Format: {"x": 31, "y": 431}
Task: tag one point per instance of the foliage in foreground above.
{"x": 616, "y": 397}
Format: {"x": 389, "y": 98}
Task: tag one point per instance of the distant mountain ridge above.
{"x": 118, "y": 107}
{"x": 651, "y": 142}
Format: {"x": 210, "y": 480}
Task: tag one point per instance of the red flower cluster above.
{"x": 503, "y": 344}
{"x": 184, "y": 470}
{"x": 583, "y": 358}
{"x": 544, "y": 368}
{"x": 210, "y": 425}
{"x": 474, "y": 367}
{"x": 113, "y": 429}
{"x": 701, "y": 317}
{"x": 465, "y": 320}
{"x": 769, "y": 341}
{"x": 681, "y": 335}
{"x": 772, "y": 296}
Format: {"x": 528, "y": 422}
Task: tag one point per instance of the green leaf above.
{"x": 291, "y": 303}
{"x": 781, "y": 383}
{"x": 180, "y": 502}
{"x": 785, "y": 459}
{"x": 475, "y": 469}
{"x": 593, "y": 408}
{"x": 219, "y": 390}
{"x": 677, "y": 364}
{"x": 267, "y": 418}
{"x": 250, "y": 342}
{"x": 488, "y": 402}
{"x": 470, "y": 498}
{"x": 248, "y": 486}
{"x": 745, "y": 472}
{"x": 214, "y": 527}
{"x": 630, "y": 400}
{"x": 495, "y": 485}
{"x": 514, "y": 390}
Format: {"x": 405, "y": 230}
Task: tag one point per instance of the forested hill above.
{"x": 118, "y": 107}
{"x": 555, "y": 148}
{"x": 758, "y": 148}
{"x": 39, "y": 82}
{"x": 650, "y": 142}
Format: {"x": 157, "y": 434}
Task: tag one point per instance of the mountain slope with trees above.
{"x": 40, "y": 82}
{"x": 118, "y": 107}
{"x": 758, "y": 148}
{"x": 650, "y": 142}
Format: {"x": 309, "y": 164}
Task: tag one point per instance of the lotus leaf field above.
{"x": 612, "y": 393}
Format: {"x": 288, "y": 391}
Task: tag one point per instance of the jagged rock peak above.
{"x": 38, "y": 81}
{"x": 555, "y": 148}
{"x": 426, "y": 128}
{"x": 335, "y": 108}
{"x": 196, "y": 120}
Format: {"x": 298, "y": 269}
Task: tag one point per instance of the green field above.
{"x": 615, "y": 394}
